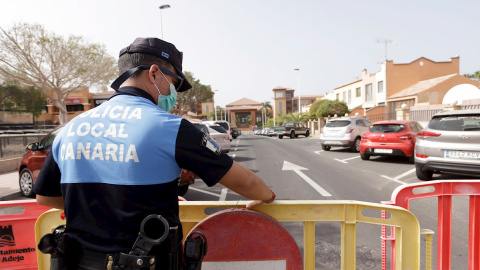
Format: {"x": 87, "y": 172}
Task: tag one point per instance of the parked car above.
{"x": 222, "y": 138}
{"x": 344, "y": 132}
{"x": 450, "y": 143}
{"x": 222, "y": 123}
{"x": 235, "y": 132}
{"x": 275, "y": 131}
{"x": 390, "y": 138}
{"x": 293, "y": 129}
{"x": 35, "y": 155}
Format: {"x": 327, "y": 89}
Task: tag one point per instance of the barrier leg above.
{"x": 444, "y": 232}
{"x": 474, "y": 233}
{"x": 309, "y": 245}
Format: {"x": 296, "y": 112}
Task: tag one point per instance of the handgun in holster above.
{"x": 55, "y": 244}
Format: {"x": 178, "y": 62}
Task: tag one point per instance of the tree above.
{"x": 53, "y": 64}
{"x": 265, "y": 105}
{"x": 475, "y": 76}
{"x": 332, "y": 107}
{"x": 15, "y": 98}
{"x": 312, "y": 113}
{"x": 199, "y": 93}
{"x": 297, "y": 117}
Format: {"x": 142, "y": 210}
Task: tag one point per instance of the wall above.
{"x": 401, "y": 76}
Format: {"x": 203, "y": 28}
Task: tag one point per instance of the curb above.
{"x": 10, "y": 196}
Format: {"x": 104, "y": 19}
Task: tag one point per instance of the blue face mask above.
{"x": 166, "y": 103}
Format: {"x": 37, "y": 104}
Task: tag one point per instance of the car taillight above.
{"x": 421, "y": 156}
{"x": 226, "y": 138}
{"x": 406, "y": 137}
{"x": 425, "y": 134}
{"x": 349, "y": 130}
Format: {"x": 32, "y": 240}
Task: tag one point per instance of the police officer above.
{"x": 114, "y": 165}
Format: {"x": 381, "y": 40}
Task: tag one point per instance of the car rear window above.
{"x": 340, "y": 123}
{"x": 223, "y": 124}
{"x": 390, "y": 128}
{"x": 219, "y": 129}
{"x": 456, "y": 123}
{"x": 202, "y": 128}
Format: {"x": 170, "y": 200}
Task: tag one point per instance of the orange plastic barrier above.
{"x": 17, "y": 234}
{"x": 443, "y": 190}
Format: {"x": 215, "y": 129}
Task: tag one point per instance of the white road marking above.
{"x": 318, "y": 152}
{"x": 223, "y": 195}
{"x": 293, "y": 167}
{"x": 395, "y": 179}
{"x": 345, "y": 160}
{"x": 206, "y": 192}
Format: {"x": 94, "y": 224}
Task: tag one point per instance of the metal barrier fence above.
{"x": 443, "y": 190}
{"x": 4, "y": 139}
{"x": 347, "y": 213}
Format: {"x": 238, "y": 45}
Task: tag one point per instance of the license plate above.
{"x": 384, "y": 151}
{"x": 462, "y": 154}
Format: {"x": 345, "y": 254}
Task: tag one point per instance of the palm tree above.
{"x": 296, "y": 117}
{"x": 265, "y": 105}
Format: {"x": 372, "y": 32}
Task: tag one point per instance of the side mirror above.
{"x": 32, "y": 146}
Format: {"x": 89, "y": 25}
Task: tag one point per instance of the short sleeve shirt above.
{"x": 120, "y": 162}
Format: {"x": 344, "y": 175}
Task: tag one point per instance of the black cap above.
{"x": 161, "y": 49}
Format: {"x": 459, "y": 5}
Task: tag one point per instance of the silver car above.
{"x": 344, "y": 132}
{"x": 223, "y": 139}
{"x": 450, "y": 143}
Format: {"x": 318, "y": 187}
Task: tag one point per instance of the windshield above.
{"x": 456, "y": 123}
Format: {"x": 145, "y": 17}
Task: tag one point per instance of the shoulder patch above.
{"x": 211, "y": 144}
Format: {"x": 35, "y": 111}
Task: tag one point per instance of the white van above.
{"x": 222, "y": 123}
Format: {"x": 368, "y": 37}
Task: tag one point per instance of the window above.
{"x": 349, "y": 96}
{"x": 279, "y": 94}
{"x": 344, "y": 94}
{"x": 289, "y": 95}
{"x": 207, "y": 111}
{"x": 338, "y": 96}
{"x": 380, "y": 87}
{"x": 358, "y": 92}
{"x": 75, "y": 108}
{"x": 368, "y": 92}
{"x": 280, "y": 108}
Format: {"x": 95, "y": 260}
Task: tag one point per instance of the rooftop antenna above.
{"x": 386, "y": 41}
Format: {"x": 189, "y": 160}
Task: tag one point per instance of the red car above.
{"x": 33, "y": 159}
{"x": 390, "y": 138}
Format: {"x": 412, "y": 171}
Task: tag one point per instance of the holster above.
{"x": 55, "y": 244}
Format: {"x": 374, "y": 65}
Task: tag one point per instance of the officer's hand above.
{"x": 254, "y": 203}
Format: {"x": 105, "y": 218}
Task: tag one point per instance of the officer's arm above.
{"x": 246, "y": 183}
{"x": 54, "y": 202}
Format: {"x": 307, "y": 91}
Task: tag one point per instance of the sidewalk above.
{"x": 9, "y": 187}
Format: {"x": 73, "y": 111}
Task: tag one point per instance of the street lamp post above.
{"x": 161, "y": 23}
{"x": 298, "y": 83}
{"x": 214, "y": 105}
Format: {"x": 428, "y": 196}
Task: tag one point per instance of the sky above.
{"x": 245, "y": 48}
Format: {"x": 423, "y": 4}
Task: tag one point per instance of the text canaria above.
{"x": 108, "y": 152}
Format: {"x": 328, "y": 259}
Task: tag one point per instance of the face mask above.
{"x": 166, "y": 103}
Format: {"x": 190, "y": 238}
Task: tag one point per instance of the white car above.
{"x": 222, "y": 123}
{"x": 344, "y": 132}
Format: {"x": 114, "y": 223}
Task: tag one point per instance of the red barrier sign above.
{"x": 17, "y": 234}
{"x": 244, "y": 239}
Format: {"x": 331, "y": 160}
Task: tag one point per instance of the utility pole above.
{"x": 386, "y": 41}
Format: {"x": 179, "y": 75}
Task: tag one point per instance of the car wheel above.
{"x": 364, "y": 156}
{"x": 356, "y": 145}
{"x": 424, "y": 175}
{"x": 326, "y": 147}
{"x": 280, "y": 136}
{"x": 182, "y": 190}
{"x": 307, "y": 134}
{"x": 292, "y": 134}
{"x": 411, "y": 159}
{"x": 26, "y": 183}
